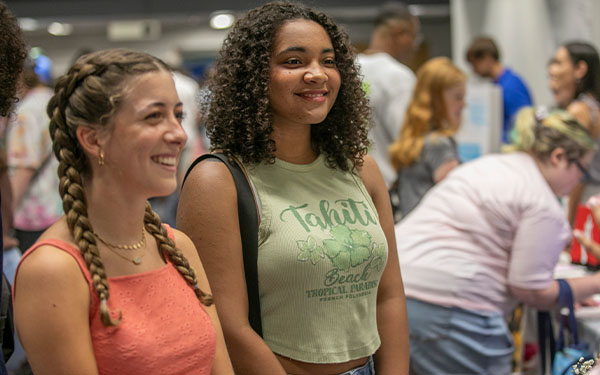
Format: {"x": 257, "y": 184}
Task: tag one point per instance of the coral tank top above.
{"x": 164, "y": 327}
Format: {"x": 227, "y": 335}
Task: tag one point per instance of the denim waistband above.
{"x": 366, "y": 369}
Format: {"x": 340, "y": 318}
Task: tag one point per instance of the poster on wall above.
{"x": 481, "y": 128}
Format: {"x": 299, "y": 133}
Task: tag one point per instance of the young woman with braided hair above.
{"x": 95, "y": 294}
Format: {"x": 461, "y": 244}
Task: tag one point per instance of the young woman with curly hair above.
{"x": 286, "y": 102}
{"x": 108, "y": 289}
{"x": 425, "y": 151}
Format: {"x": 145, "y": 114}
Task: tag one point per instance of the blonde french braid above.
{"x": 167, "y": 246}
{"x": 70, "y": 157}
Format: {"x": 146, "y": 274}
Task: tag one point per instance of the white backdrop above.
{"x": 527, "y": 33}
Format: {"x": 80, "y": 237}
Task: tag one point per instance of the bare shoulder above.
{"x": 50, "y": 262}
{"x": 581, "y": 112}
{"x": 48, "y": 270}
{"x": 369, "y": 164}
{"x": 209, "y": 174}
{"x": 184, "y": 243}
{"x": 207, "y": 198}
{"x": 577, "y": 106}
{"x": 181, "y": 239}
{"x": 371, "y": 175}
{"x": 52, "y": 311}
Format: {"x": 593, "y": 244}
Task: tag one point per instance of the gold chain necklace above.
{"x": 136, "y": 245}
{"x": 137, "y": 260}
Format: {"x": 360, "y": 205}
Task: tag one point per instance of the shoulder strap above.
{"x": 546, "y": 340}
{"x": 248, "y": 221}
{"x": 566, "y": 315}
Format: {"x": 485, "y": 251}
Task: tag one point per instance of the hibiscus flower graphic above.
{"x": 348, "y": 248}
{"x": 309, "y": 251}
{"x": 379, "y": 252}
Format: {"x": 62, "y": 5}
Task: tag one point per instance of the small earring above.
{"x": 101, "y": 158}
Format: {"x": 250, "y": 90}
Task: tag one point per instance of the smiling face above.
{"x": 454, "y": 100}
{"x": 146, "y": 138}
{"x": 304, "y": 80}
{"x": 562, "y": 78}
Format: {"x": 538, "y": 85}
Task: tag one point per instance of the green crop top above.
{"x": 321, "y": 255}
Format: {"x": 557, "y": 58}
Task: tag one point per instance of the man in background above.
{"x": 387, "y": 80}
{"x": 484, "y": 58}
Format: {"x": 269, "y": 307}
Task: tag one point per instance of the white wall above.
{"x": 527, "y": 32}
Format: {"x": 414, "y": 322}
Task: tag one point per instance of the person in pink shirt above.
{"x": 487, "y": 236}
{"x": 109, "y": 289}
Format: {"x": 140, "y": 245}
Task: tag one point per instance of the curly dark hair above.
{"x": 12, "y": 57}
{"x": 239, "y": 119}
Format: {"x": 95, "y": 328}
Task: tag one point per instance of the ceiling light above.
{"x": 221, "y": 20}
{"x": 28, "y": 24}
{"x": 60, "y": 29}
{"x": 129, "y": 30}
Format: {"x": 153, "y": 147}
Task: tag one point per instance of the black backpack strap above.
{"x": 248, "y": 221}
{"x": 566, "y": 315}
{"x": 546, "y": 340}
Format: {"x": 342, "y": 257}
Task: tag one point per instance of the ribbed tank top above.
{"x": 164, "y": 327}
{"x": 320, "y": 258}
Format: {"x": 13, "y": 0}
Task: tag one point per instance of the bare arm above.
{"x": 393, "y": 355}
{"x": 208, "y": 214}
{"x": 19, "y": 182}
{"x": 442, "y": 171}
{"x": 52, "y": 302}
{"x": 547, "y": 298}
{"x": 582, "y": 287}
{"x": 222, "y": 364}
{"x": 581, "y": 112}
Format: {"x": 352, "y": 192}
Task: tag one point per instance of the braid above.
{"x": 166, "y": 246}
{"x": 71, "y": 190}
